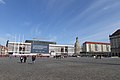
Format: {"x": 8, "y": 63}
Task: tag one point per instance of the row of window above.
{"x": 97, "y": 47}
{"x": 115, "y": 43}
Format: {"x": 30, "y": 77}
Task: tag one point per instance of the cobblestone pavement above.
{"x": 60, "y": 69}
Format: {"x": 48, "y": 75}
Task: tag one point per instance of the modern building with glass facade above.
{"x": 43, "y": 48}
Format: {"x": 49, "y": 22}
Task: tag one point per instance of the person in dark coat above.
{"x": 21, "y": 59}
{"x": 33, "y": 59}
{"x": 25, "y": 58}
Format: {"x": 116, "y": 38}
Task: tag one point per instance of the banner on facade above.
{"x": 40, "y": 48}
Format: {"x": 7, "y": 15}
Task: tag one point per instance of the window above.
{"x": 119, "y": 45}
{"x": 62, "y": 49}
{"x": 66, "y": 49}
{"x": 107, "y": 47}
{"x": 96, "y": 47}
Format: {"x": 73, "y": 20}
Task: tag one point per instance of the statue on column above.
{"x": 77, "y": 47}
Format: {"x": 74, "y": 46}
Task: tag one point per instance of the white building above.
{"x": 19, "y": 48}
{"x": 96, "y": 48}
{"x": 39, "y": 48}
{"x": 61, "y": 49}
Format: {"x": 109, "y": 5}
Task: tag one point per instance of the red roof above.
{"x": 96, "y": 43}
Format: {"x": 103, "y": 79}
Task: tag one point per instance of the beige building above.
{"x": 115, "y": 43}
{"x": 93, "y": 48}
{"x": 3, "y": 50}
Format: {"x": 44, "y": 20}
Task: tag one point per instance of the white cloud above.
{"x": 27, "y": 23}
{"x": 10, "y": 36}
{"x": 87, "y": 11}
{"x": 6, "y": 37}
{"x": 116, "y": 4}
{"x": 102, "y": 33}
{"x": 36, "y": 31}
{"x": 53, "y": 38}
{"x": 3, "y": 41}
{"x": 2, "y": 2}
{"x": 92, "y": 12}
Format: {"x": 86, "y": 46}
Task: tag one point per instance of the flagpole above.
{"x": 18, "y": 45}
{"x": 14, "y": 45}
{"x": 22, "y": 43}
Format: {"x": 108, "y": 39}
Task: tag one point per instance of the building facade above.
{"x": 115, "y": 43}
{"x": 62, "y": 49}
{"x": 93, "y": 48}
{"x": 3, "y": 50}
{"x": 19, "y": 48}
{"x": 43, "y": 48}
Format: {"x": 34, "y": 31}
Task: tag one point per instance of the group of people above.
{"x": 24, "y": 59}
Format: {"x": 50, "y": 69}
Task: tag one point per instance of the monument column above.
{"x": 77, "y": 47}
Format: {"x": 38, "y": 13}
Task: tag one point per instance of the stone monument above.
{"x": 77, "y": 47}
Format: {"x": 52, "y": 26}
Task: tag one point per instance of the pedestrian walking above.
{"x": 33, "y": 59}
{"x": 21, "y": 59}
{"x": 25, "y": 58}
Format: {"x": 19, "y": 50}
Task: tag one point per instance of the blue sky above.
{"x": 59, "y": 20}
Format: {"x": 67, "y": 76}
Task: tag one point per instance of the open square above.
{"x": 70, "y": 68}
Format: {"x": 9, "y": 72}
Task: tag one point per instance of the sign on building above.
{"x": 39, "y": 48}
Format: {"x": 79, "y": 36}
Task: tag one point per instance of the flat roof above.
{"x": 39, "y": 42}
{"x": 18, "y": 43}
{"x": 60, "y": 45}
{"x": 87, "y": 42}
